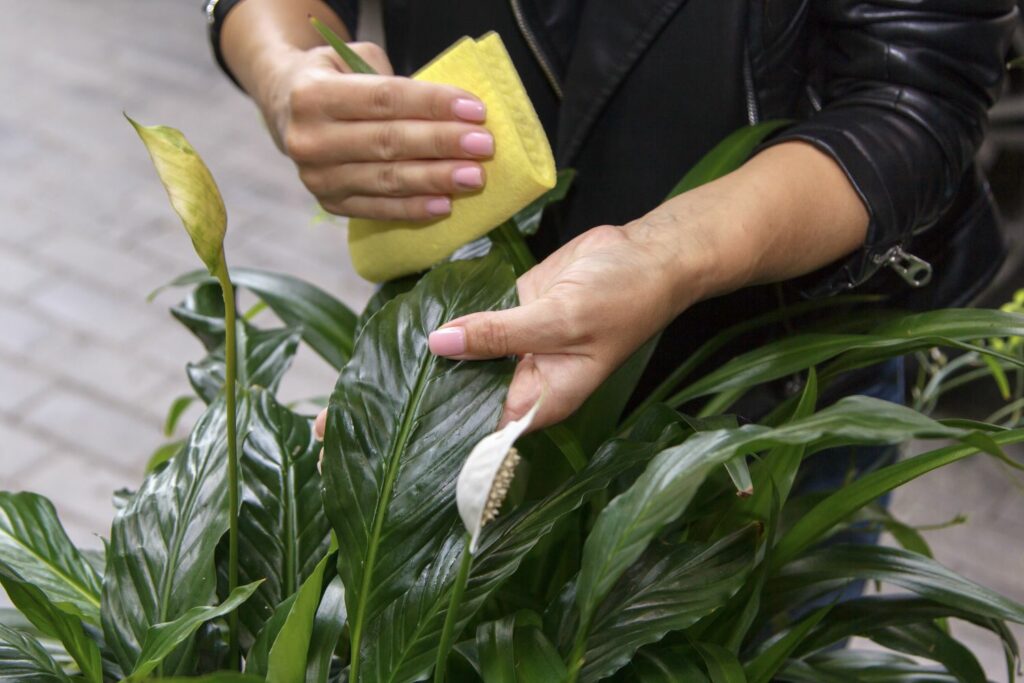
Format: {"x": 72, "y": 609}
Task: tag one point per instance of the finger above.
{"x": 394, "y": 179}
{"x": 387, "y": 98}
{"x": 359, "y": 141}
{"x": 539, "y": 327}
{"x": 391, "y": 208}
{"x": 320, "y": 424}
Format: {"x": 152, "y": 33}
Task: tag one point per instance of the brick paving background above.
{"x": 88, "y": 368}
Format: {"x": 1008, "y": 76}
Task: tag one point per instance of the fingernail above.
{"x": 478, "y": 144}
{"x": 469, "y": 110}
{"x": 469, "y": 176}
{"x": 439, "y": 206}
{"x": 450, "y": 341}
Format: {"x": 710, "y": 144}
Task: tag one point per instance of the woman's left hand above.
{"x": 583, "y": 311}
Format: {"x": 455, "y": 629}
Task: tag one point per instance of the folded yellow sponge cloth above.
{"x": 521, "y": 170}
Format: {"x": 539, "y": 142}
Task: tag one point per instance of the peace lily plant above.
{"x": 621, "y": 551}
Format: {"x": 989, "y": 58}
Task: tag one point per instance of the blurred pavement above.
{"x": 88, "y": 368}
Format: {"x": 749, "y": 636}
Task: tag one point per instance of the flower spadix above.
{"x": 486, "y": 475}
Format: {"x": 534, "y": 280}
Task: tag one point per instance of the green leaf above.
{"x": 859, "y": 666}
{"x": 258, "y": 658}
{"x": 667, "y": 589}
{"x": 663, "y": 492}
{"x": 327, "y": 325}
{"x": 515, "y": 650}
{"x": 162, "y": 454}
{"x": 288, "y": 655}
{"x": 816, "y": 571}
{"x": 283, "y": 531}
{"x": 33, "y": 544}
{"x": 722, "y": 665}
{"x": 162, "y": 639}
{"x": 855, "y": 495}
{"x": 327, "y": 628}
{"x": 160, "y": 559}
{"x": 191, "y": 189}
{"x": 767, "y": 663}
{"x": 665, "y": 665}
{"x": 399, "y": 425}
{"x": 727, "y": 155}
{"x": 931, "y": 642}
{"x": 53, "y": 622}
{"x": 220, "y": 677}
{"x": 264, "y": 358}
{"x": 385, "y": 293}
{"x": 174, "y": 413}
{"x": 949, "y": 327}
{"x": 353, "y": 60}
{"x": 23, "y": 660}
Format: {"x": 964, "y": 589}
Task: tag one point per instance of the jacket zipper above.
{"x": 753, "y": 115}
{"x": 531, "y": 41}
{"x": 914, "y": 270}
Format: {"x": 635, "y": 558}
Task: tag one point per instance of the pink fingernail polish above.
{"x": 471, "y": 177}
{"x": 439, "y": 206}
{"x": 450, "y": 341}
{"x": 478, "y": 144}
{"x": 469, "y": 110}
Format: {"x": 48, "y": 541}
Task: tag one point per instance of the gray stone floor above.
{"x": 88, "y": 368}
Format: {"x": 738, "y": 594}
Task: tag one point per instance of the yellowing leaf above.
{"x": 191, "y": 189}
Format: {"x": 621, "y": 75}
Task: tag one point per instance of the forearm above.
{"x": 786, "y": 212}
{"x": 259, "y": 36}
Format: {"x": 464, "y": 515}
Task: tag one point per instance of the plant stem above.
{"x": 230, "y": 373}
{"x": 511, "y": 240}
{"x": 452, "y": 615}
{"x": 579, "y": 651}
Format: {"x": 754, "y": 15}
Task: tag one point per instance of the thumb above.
{"x": 533, "y": 328}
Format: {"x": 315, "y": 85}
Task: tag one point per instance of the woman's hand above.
{"x": 371, "y": 146}
{"x": 583, "y": 311}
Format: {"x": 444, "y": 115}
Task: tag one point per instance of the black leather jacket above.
{"x": 894, "y": 90}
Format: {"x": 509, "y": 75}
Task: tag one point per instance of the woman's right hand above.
{"x": 375, "y": 146}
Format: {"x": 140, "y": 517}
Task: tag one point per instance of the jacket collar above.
{"x": 613, "y": 35}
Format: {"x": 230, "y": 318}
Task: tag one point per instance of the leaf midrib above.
{"x": 90, "y": 598}
{"x": 384, "y": 501}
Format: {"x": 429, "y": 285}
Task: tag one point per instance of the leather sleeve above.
{"x": 218, "y": 10}
{"x": 904, "y": 85}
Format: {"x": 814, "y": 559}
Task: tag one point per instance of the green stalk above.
{"x": 579, "y": 651}
{"x": 230, "y": 374}
{"x": 452, "y": 615}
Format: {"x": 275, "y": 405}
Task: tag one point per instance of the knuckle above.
{"x": 492, "y": 337}
{"x": 312, "y": 179}
{"x": 384, "y": 98}
{"x": 575, "y": 323}
{"x": 388, "y": 142}
{"x": 299, "y": 145}
{"x": 441, "y": 142}
{"x": 389, "y": 181}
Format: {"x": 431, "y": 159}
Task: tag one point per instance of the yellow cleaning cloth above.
{"x": 522, "y": 169}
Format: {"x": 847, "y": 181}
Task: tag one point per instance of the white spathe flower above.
{"x": 486, "y": 475}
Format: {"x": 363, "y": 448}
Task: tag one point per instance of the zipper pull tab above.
{"x": 915, "y": 271}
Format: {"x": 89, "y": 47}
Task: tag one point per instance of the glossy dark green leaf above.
{"x": 664, "y": 490}
{"x": 931, "y": 642}
{"x": 160, "y": 558}
{"x": 287, "y": 661}
{"x": 327, "y": 325}
{"x": 667, "y": 589}
{"x": 157, "y": 459}
{"x": 327, "y": 629}
{"x": 840, "y": 505}
{"x": 33, "y": 544}
{"x": 221, "y": 677}
{"x": 352, "y": 58}
{"x": 283, "y": 531}
{"x": 722, "y": 665}
{"x": 860, "y": 666}
{"x": 891, "y": 338}
{"x": 162, "y": 639}
{"x": 385, "y": 293}
{"x": 665, "y": 665}
{"x": 399, "y": 425}
{"x": 767, "y": 663}
{"x": 727, "y": 155}
{"x": 263, "y": 359}
{"x": 174, "y": 413}
{"x": 514, "y": 649}
{"x": 257, "y": 659}
{"x": 815, "y": 572}
{"x": 23, "y": 660}
{"x": 202, "y": 311}
{"x": 54, "y": 622}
